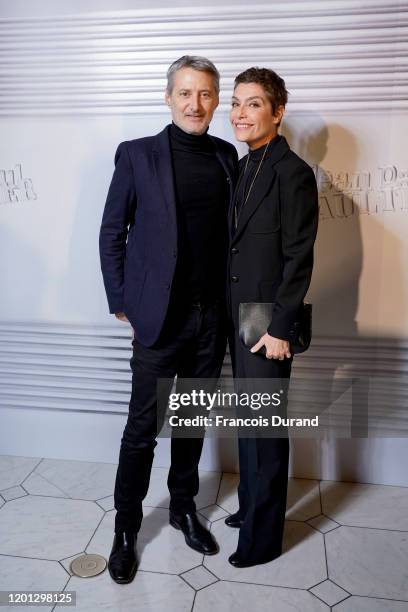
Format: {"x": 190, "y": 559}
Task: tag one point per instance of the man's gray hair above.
{"x": 197, "y": 62}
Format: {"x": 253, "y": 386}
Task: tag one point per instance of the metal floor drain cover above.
{"x": 86, "y": 566}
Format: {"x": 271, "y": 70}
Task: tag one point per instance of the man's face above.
{"x": 251, "y": 115}
{"x": 193, "y": 100}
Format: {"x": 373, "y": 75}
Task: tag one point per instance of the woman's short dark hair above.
{"x": 272, "y": 83}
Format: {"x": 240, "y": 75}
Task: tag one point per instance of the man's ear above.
{"x": 167, "y": 97}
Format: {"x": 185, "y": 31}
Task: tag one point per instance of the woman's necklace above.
{"x": 251, "y": 185}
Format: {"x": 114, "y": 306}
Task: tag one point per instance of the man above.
{"x": 163, "y": 256}
{"x": 273, "y": 226}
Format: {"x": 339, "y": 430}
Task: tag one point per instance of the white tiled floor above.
{"x": 345, "y": 544}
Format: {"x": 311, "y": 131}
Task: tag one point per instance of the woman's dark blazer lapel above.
{"x": 261, "y": 186}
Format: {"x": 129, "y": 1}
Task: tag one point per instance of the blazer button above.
{"x": 234, "y": 251}
{"x": 234, "y": 279}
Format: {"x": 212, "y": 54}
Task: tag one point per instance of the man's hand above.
{"x": 275, "y": 347}
{"x": 122, "y": 317}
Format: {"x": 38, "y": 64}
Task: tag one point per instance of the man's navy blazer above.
{"x": 138, "y": 236}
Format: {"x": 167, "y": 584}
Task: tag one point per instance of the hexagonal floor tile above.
{"x": 67, "y": 562}
{"x": 365, "y": 505}
{"x": 13, "y": 470}
{"x": 236, "y": 597}
{"x": 303, "y": 499}
{"x": 161, "y": 548}
{"x": 158, "y": 494}
{"x": 47, "y": 528}
{"x": 107, "y": 503}
{"x": 148, "y": 591}
{"x": 101, "y": 542}
{"x": 368, "y": 562}
{"x": 13, "y": 493}
{"x": 79, "y": 479}
{"x": 369, "y": 604}
{"x": 228, "y": 496}
{"x": 18, "y": 574}
{"x": 209, "y": 485}
{"x": 301, "y": 565}
{"x": 37, "y": 485}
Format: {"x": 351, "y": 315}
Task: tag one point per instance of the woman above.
{"x": 273, "y": 227}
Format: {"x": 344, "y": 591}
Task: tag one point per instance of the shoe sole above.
{"x": 177, "y": 526}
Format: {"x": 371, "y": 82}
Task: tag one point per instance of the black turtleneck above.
{"x": 202, "y": 194}
{"x": 246, "y": 176}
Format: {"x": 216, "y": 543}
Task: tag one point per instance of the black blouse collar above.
{"x": 255, "y": 155}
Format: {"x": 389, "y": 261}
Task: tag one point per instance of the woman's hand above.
{"x": 275, "y": 347}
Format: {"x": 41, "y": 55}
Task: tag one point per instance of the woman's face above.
{"x": 251, "y": 115}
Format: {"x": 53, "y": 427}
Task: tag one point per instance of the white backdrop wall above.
{"x": 74, "y": 84}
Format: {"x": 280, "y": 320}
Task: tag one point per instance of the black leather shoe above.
{"x": 122, "y": 562}
{"x": 237, "y": 561}
{"x": 195, "y": 534}
{"x": 234, "y": 520}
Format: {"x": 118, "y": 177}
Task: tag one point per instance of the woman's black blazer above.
{"x": 271, "y": 250}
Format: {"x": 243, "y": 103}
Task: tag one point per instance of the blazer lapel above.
{"x": 231, "y": 178}
{"x": 164, "y": 172}
{"x": 261, "y": 186}
{"x": 227, "y": 167}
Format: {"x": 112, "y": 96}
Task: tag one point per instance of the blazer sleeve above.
{"x": 299, "y": 220}
{"x": 117, "y": 215}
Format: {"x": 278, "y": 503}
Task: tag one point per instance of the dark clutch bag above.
{"x": 255, "y": 318}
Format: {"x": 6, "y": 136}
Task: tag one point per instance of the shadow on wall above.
{"x": 338, "y": 291}
{"x": 338, "y": 251}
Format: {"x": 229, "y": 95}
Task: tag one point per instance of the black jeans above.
{"x": 192, "y": 345}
